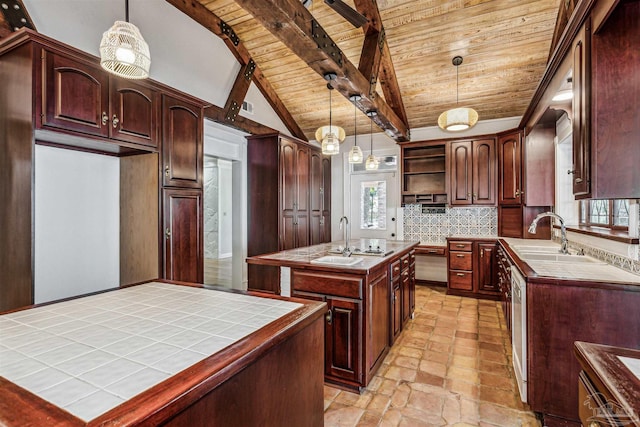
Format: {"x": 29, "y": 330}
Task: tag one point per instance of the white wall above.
{"x": 77, "y": 223}
{"x": 184, "y": 55}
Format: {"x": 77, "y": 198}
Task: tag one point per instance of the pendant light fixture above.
{"x": 330, "y": 136}
{"x": 371, "y": 163}
{"x": 459, "y": 118}
{"x": 355, "y": 154}
{"x": 123, "y": 51}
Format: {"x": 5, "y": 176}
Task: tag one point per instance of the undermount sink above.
{"x": 540, "y": 256}
{"x": 531, "y": 248}
{"x": 337, "y": 260}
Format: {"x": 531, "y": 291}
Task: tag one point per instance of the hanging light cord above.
{"x": 126, "y": 12}
{"x": 330, "y": 89}
{"x": 355, "y": 125}
{"x": 371, "y": 134}
{"x": 457, "y": 87}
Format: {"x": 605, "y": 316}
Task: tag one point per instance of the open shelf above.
{"x": 424, "y": 174}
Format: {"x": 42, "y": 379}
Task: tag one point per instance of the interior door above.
{"x": 373, "y": 201}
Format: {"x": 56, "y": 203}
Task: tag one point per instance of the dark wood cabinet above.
{"x": 405, "y": 282}
{"x": 80, "y": 97}
{"x": 424, "y": 166}
{"x": 581, "y": 122}
{"x": 395, "y": 326}
{"x": 288, "y": 205}
{"x": 472, "y": 172}
{"x": 510, "y": 169}
{"x": 182, "y": 143}
{"x": 320, "y": 199}
{"x": 183, "y": 234}
{"x": 402, "y": 287}
{"x": 504, "y": 284}
{"x": 342, "y": 337}
{"x": 472, "y": 268}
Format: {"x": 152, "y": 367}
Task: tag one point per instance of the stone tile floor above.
{"x": 451, "y": 366}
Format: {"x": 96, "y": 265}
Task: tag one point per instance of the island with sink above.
{"x": 369, "y": 288}
{"x": 552, "y": 299}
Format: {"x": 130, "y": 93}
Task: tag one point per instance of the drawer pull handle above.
{"x": 459, "y": 245}
{"x": 329, "y": 316}
{"x": 459, "y": 256}
{"x": 460, "y": 274}
{"x": 105, "y": 118}
{"x": 396, "y": 269}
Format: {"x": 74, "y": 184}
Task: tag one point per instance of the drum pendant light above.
{"x": 371, "y": 163}
{"x": 123, "y": 51}
{"x": 459, "y": 118}
{"x": 355, "y": 154}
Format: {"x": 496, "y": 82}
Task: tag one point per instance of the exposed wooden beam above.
{"x": 292, "y": 24}
{"x": 370, "y": 58}
{"x": 239, "y": 91}
{"x": 387, "y": 73}
{"x": 217, "y": 114}
{"x": 13, "y": 16}
{"x": 213, "y": 23}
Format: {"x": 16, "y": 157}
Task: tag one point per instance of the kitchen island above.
{"x": 369, "y": 297}
{"x": 163, "y": 354}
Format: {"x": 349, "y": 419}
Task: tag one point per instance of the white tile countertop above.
{"x": 90, "y": 354}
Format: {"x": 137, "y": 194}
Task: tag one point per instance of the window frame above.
{"x": 585, "y": 206}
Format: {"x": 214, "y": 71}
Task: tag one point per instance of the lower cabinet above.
{"x": 182, "y": 232}
{"x": 402, "y": 287}
{"x": 473, "y": 268}
{"x": 343, "y": 322}
{"x": 504, "y": 284}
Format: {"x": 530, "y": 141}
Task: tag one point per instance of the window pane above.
{"x": 583, "y": 212}
{"x": 599, "y": 212}
{"x": 373, "y": 205}
{"x": 621, "y": 212}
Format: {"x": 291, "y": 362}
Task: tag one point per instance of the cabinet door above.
{"x": 396, "y": 310}
{"x": 378, "y": 318}
{"x": 288, "y": 194}
{"x": 509, "y": 169}
{"x": 316, "y": 199}
{"x": 182, "y": 149}
{"x": 487, "y": 267}
{"x": 342, "y": 339}
{"x": 75, "y": 96}
{"x": 484, "y": 172}
{"x": 134, "y": 112}
{"x": 582, "y": 111}
{"x": 183, "y": 246}
{"x": 406, "y": 295}
{"x": 326, "y": 199}
{"x": 302, "y": 185}
{"x": 412, "y": 283}
{"x": 461, "y": 172}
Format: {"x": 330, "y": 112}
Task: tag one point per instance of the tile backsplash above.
{"x": 434, "y": 228}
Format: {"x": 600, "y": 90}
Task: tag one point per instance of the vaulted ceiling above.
{"x": 505, "y": 45}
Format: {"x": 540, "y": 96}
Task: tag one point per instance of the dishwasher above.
{"x": 519, "y": 330}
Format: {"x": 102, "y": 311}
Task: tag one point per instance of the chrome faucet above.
{"x": 347, "y": 232}
{"x": 564, "y": 244}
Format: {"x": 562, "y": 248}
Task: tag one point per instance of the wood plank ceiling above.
{"x": 505, "y": 45}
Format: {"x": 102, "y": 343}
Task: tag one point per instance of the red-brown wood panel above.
{"x": 581, "y": 53}
{"x": 75, "y": 95}
{"x": 342, "y": 335}
{"x": 461, "y": 172}
{"x": 182, "y": 145}
{"x": 316, "y": 199}
{"x": 326, "y": 199}
{"x": 484, "y": 172}
{"x": 378, "y": 319}
{"x": 182, "y": 227}
{"x": 509, "y": 169}
{"x": 302, "y": 184}
{"x": 487, "y": 268}
{"x": 539, "y": 169}
{"x": 135, "y": 110}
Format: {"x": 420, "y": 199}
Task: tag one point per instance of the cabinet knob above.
{"x": 481, "y": 253}
{"x": 115, "y": 121}
{"x": 105, "y": 118}
{"x": 571, "y": 172}
{"x": 167, "y": 233}
{"x": 166, "y": 170}
{"x": 329, "y": 316}
{"x": 594, "y": 424}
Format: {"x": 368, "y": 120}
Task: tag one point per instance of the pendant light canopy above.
{"x": 330, "y": 136}
{"x": 459, "y": 118}
{"x": 123, "y": 51}
{"x": 355, "y": 154}
{"x": 372, "y": 162}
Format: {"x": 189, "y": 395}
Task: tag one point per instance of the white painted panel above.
{"x": 77, "y": 223}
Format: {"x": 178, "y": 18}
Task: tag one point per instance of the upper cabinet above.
{"x": 182, "y": 144}
{"x": 424, "y": 173}
{"x": 81, "y": 98}
{"x": 473, "y": 172}
{"x": 510, "y": 169}
{"x": 320, "y": 199}
{"x": 581, "y": 108}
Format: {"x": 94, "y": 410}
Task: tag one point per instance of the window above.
{"x": 605, "y": 213}
{"x": 373, "y": 205}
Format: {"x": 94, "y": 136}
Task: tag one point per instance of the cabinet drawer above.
{"x": 460, "y": 246}
{"x": 460, "y": 260}
{"x": 395, "y": 269}
{"x": 431, "y": 250}
{"x": 461, "y": 280}
{"x": 404, "y": 262}
{"x": 327, "y": 283}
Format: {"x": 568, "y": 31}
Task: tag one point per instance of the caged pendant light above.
{"x": 123, "y": 51}
{"x": 355, "y": 154}
{"x": 330, "y": 136}
{"x": 459, "y": 118}
{"x": 372, "y": 162}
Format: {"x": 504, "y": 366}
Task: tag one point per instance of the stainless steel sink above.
{"x": 534, "y": 248}
{"x": 337, "y": 260}
{"x": 572, "y": 259}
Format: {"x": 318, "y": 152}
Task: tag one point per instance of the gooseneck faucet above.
{"x": 564, "y": 244}
{"x": 347, "y": 231}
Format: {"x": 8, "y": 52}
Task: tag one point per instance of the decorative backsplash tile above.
{"x": 432, "y": 228}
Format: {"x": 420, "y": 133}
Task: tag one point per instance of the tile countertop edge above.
{"x": 296, "y": 258}
{"x": 534, "y": 277}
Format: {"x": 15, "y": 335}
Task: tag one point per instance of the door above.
{"x": 582, "y": 112}
{"x": 182, "y": 149}
{"x": 326, "y": 199}
{"x": 75, "y": 96}
{"x": 342, "y": 339}
{"x": 487, "y": 267}
{"x": 461, "y": 173}
{"x": 288, "y": 194}
{"x": 316, "y": 199}
{"x": 134, "y": 111}
{"x": 302, "y": 183}
{"x": 484, "y": 172}
{"x": 182, "y": 226}
{"x": 373, "y": 202}
{"x": 509, "y": 166}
